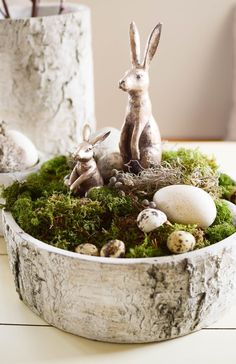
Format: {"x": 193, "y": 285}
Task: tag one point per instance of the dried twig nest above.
{"x": 150, "y": 180}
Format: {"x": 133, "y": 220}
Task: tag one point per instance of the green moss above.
{"x": 161, "y": 234}
{"x": 155, "y": 243}
{"x": 223, "y": 213}
{"x": 51, "y": 214}
{"x": 111, "y": 199}
{"x": 228, "y": 186}
{"x": 128, "y": 231}
{"x": 225, "y": 180}
{"x": 146, "y": 249}
{"x": 219, "y": 232}
{"x": 45, "y": 209}
{"x": 190, "y": 159}
{"x": 232, "y": 195}
{"x": 222, "y": 226}
{"x": 47, "y": 181}
{"x": 60, "y": 220}
{"x": 196, "y": 168}
{"x": 57, "y": 166}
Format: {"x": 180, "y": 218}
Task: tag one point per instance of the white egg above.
{"x": 186, "y": 204}
{"x": 150, "y": 219}
{"x": 29, "y": 152}
{"x": 108, "y": 146}
{"x": 180, "y": 242}
{"x": 232, "y": 208}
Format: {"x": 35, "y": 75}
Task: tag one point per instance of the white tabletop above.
{"x": 25, "y": 338}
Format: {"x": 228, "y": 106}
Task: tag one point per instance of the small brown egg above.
{"x": 113, "y": 249}
{"x": 87, "y": 249}
{"x": 180, "y": 242}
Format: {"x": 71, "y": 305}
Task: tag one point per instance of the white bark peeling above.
{"x": 122, "y": 300}
{"x": 46, "y": 78}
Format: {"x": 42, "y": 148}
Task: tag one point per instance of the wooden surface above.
{"x": 24, "y": 338}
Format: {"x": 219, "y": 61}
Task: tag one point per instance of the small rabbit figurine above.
{"x": 140, "y": 141}
{"x": 85, "y": 174}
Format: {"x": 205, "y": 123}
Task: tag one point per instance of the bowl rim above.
{"x": 8, "y": 219}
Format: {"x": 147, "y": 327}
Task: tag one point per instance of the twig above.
{"x": 5, "y": 6}
{"x": 61, "y": 7}
{"x": 3, "y": 14}
{"x": 34, "y": 11}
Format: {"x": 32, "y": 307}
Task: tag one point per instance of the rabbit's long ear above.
{"x": 134, "y": 45}
{"x": 86, "y": 132}
{"x": 100, "y": 138}
{"x": 152, "y": 45}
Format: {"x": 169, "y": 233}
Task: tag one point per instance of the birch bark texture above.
{"x": 46, "y": 75}
{"x": 122, "y": 300}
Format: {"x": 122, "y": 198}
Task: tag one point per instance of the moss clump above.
{"x": 49, "y": 180}
{"x": 223, "y": 224}
{"x": 148, "y": 248}
{"x": 223, "y": 213}
{"x": 228, "y": 187}
{"x": 219, "y": 232}
{"x": 112, "y": 201}
{"x": 190, "y": 159}
{"x": 197, "y": 169}
{"x": 227, "y": 184}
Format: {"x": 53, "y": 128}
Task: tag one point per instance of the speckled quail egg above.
{"x": 113, "y": 249}
{"x": 180, "y": 242}
{"x": 150, "y": 219}
{"x": 87, "y": 249}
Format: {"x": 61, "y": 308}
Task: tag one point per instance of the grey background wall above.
{"x": 191, "y": 76}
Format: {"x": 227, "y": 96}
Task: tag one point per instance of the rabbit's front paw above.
{"x": 67, "y": 180}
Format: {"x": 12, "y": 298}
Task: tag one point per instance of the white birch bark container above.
{"x": 46, "y": 75}
{"x": 122, "y": 300}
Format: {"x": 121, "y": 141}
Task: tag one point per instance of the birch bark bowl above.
{"x": 46, "y": 67}
{"x": 122, "y": 300}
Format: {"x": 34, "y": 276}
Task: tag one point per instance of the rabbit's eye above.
{"x": 138, "y": 77}
{"x": 88, "y": 150}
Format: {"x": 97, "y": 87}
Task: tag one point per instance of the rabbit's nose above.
{"x": 121, "y": 83}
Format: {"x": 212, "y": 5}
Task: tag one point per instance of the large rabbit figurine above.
{"x": 140, "y": 140}
{"x": 85, "y": 174}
